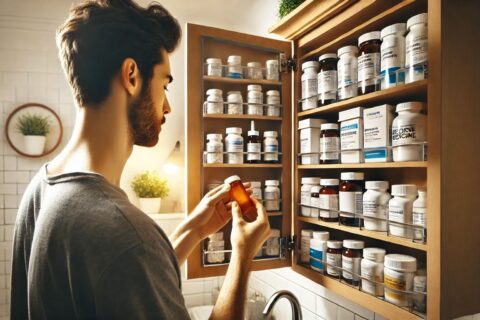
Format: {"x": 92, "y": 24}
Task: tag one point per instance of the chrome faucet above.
{"x": 296, "y": 310}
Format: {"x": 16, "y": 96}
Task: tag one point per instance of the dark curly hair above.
{"x": 100, "y": 34}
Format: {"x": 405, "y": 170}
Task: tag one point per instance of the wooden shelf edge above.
{"x": 244, "y": 116}
{"x": 386, "y": 95}
{"x": 275, "y": 214}
{"x": 365, "y": 233}
{"x": 368, "y": 165}
{"x": 382, "y": 307}
{"x": 241, "y": 81}
{"x": 245, "y": 165}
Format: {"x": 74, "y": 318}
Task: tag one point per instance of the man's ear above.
{"x": 130, "y": 76}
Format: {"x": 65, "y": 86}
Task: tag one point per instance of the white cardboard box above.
{"x": 351, "y": 135}
{"x": 377, "y": 123}
{"x": 310, "y": 140}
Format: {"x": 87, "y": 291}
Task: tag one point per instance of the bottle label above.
{"x": 350, "y": 135}
{"x": 329, "y": 147}
{"x": 305, "y": 249}
{"x": 350, "y": 202}
{"x": 374, "y": 208}
{"x": 334, "y": 260}
{"x": 305, "y": 198}
{"x": 372, "y": 271}
{"x": 404, "y": 134}
{"x": 316, "y": 256}
{"x": 214, "y": 107}
{"x": 253, "y": 151}
{"x": 347, "y": 72}
{"x": 234, "y": 108}
{"x": 368, "y": 67}
{"x": 416, "y": 50}
{"x": 351, "y": 265}
{"x": 329, "y": 201}
{"x": 420, "y": 216}
{"x": 315, "y": 202}
{"x": 327, "y": 85}
{"x": 392, "y": 59}
{"x": 396, "y": 213}
{"x": 271, "y": 152}
{"x": 235, "y": 146}
{"x": 309, "y": 88}
{"x": 214, "y": 147}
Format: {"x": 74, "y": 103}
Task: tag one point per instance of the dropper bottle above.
{"x": 254, "y": 145}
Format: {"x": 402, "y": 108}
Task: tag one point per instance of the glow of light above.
{"x": 170, "y": 168}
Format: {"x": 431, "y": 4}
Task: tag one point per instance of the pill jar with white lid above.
{"x": 306, "y": 190}
{"x": 375, "y": 204}
{"x": 392, "y": 61}
{"x": 327, "y": 78}
{"x": 400, "y": 209}
{"x": 372, "y": 269}
{"x": 235, "y": 102}
{"x": 256, "y": 189}
{"x": 347, "y": 68}
{"x": 315, "y": 201}
{"x": 272, "y": 195}
{"x": 306, "y": 235}
{"x": 351, "y": 198}
{"x": 215, "y": 243}
{"x": 270, "y": 146}
{"x": 369, "y": 62}
{"x": 329, "y": 143}
{"x": 309, "y": 85}
{"x": 419, "y": 215}
{"x": 214, "y": 148}
{"x": 328, "y": 200}
{"x": 235, "y": 67}
{"x": 272, "y": 72}
{"x": 334, "y": 257}
{"x": 255, "y": 100}
{"x": 420, "y": 298}
{"x": 214, "y": 101}
{"x": 254, "y": 71}
{"x": 234, "y": 145}
{"x": 416, "y": 42}
{"x": 409, "y": 132}
{"x": 351, "y": 261}
{"x": 272, "y": 247}
{"x": 214, "y": 67}
{"x": 398, "y": 277}
{"x": 273, "y": 101}
{"x": 318, "y": 250}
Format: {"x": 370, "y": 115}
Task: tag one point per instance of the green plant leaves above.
{"x": 150, "y": 185}
{"x": 287, "y": 6}
{"x": 33, "y": 125}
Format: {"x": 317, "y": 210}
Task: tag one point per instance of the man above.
{"x": 81, "y": 249}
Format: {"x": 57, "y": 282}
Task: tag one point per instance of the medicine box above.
{"x": 310, "y": 140}
{"x": 351, "y": 135}
{"x": 377, "y": 122}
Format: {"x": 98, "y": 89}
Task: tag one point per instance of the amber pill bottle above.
{"x": 240, "y": 195}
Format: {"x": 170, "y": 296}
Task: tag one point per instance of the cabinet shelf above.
{"x": 385, "y": 308}
{"x": 244, "y": 165}
{"x": 241, "y": 116}
{"x": 415, "y": 90}
{"x": 241, "y": 81}
{"x": 366, "y": 233}
{"x": 370, "y": 165}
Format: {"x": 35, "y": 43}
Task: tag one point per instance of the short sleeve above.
{"x": 142, "y": 283}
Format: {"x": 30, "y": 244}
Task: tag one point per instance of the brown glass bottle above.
{"x": 369, "y": 62}
{"x": 254, "y": 145}
{"x": 327, "y": 79}
{"x": 329, "y": 143}
{"x": 351, "y": 198}
{"x": 329, "y": 200}
{"x": 351, "y": 259}
{"x": 334, "y": 258}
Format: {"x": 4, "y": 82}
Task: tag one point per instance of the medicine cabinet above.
{"x": 318, "y": 27}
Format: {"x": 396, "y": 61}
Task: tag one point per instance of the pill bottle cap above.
{"x": 272, "y": 183}
{"x": 334, "y": 244}
{"x": 310, "y": 180}
{"x": 327, "y": 56}
{"x": 234, "y": 59}
{"x": 231, "y": 179}
{"x": 270, "y": 134}
{"x": 310, "y": 64}
{"x": 419, "y": 18}
{"x": 215, "y": 92}
{"x": 374, "y": 254}
{"x": 347, "y": 176}
{"x": 404, "y": 189}
{"x": 414, "y": 106}
{"x": 273, "y": 93}
{"x": 214, "y": 136}
{"x": 329, "y": 182}
{"x": 376, "y": 185}
{"x": 214, "y": 60}
{"x": 392, "y": 29}
{"x": 254, "y": 87}
{"x": 353, "y": 244}
{"x": 321, "y": 235}
{"x": 234, "y": 130}
{"x": 400, "y": 262}
{"x": 307, "y": 233}
{"x": 347, "y": 49}
{"x": 374, "y": 35}
{"x": 329, "y": 126}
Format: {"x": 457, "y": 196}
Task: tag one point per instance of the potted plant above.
{"x": 287, "y": 6}
{"x": 150, "y": 189}
{"x": 34, "y": 129}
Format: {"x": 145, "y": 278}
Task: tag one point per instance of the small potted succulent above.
{"x": 35, "y": 129}
{"x": 150, "y": 189}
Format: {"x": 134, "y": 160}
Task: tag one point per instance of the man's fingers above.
{"x": 221, "y": 192}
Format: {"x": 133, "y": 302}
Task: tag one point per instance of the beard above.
{"x": 143, "y": 119}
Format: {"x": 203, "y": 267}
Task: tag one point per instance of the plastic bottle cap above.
{"x": 234, "y": 130}
{"x": 273, "y": 93}
{"x": 392, "y": 29}
{"x": 422, "y": 192}
{"x": 270, "y": 134}
{"x": 234, "y": 59}
{"x": 214, "y": 61}
{"x": 347, "y": 49}
{"x": 374, "y": 254}
{"x": 334, "y": 244}
{"x": 321, "y": 235}
{"x": 274, "y": 183}
{"x": 376, "y": 185}
{"x": 400, "y": 262}
{"x": 216, "y": 236}
{"x": 329, "y": 126}
{"x": 374, "y": 35}
{"x": 352, "y": 176}
{"x": 252, "y": 131}
{"x": 315, "y": 189}
{"x": 214, "y": 136}
{"x": 234, "y": 93}
{"x": 214, "y": 92}
{"x": 254, "y": 64}
{"x": 310, "y": 64}
{"x": 254, "y": 87}
{"x": 255, "y": 184}
{"x": 353, "y": 244}
{"x": 329, "y": 182}
{"x": 419, "y": 18}
{"x": 327, "y": 56}
{"x": 272, "y": 62}
{"x": 231, "y": 179}
{"x": 310, "y": 180}
{"x": 307, "y": 233}
{"x": 404, "y": 189}
{"x": 274, "y": 233}
{"x": 414, "y": 106}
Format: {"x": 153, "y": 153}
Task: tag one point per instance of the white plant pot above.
{"x": 34, "y": 145}
{"x": 150, "y": 205}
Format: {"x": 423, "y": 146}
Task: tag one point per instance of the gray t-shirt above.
{"x": 83, "y": 251}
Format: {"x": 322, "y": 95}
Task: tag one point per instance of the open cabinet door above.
{"x": 206, "y": 42}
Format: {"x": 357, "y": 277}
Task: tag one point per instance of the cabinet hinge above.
{"x": 286, "y": 65}
{"x": 287, "y": 244}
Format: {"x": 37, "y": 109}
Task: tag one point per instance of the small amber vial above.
{"x": 240, "y": 195}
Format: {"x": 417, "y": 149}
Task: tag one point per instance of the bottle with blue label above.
{"x": 270, "y": 146}
{"x": 318, "y": 250}
{"x": 392, "y": 55}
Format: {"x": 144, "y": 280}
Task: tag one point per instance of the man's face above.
{"x": 147, "y": 112}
